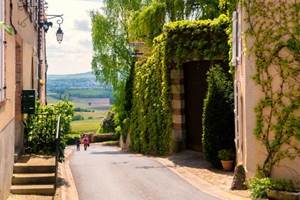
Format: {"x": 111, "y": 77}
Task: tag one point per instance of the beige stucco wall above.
{"x": 6, "y": 158}
{"x": 11, "y": 131}
{"x": 251, "y": 152}
{"x": 7, "y": 126}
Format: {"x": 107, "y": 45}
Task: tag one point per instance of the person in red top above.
{"x": 86, "y": 142}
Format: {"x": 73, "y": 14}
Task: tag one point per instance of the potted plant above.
{"x": 226, "y": 156}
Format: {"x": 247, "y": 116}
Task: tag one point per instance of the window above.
{"x": 2, "y": 84}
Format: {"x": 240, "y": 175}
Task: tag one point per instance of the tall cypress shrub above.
{"x": 218, "y": 115}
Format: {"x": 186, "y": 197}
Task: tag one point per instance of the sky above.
{"x": 75, "y": 53}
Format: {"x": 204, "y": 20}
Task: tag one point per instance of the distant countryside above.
{"x": 91, "y": 99}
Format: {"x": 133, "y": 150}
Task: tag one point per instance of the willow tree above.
{"x": 148, "y": 21}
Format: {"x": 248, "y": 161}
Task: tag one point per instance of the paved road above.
{"x": 104, "y": 173}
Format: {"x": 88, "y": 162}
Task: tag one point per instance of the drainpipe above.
{"x": 39, "y": 48}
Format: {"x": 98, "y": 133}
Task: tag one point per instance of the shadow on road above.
{"x": 193, "y": 159}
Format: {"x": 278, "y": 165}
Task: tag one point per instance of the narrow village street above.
{"x": 103, "y": 172}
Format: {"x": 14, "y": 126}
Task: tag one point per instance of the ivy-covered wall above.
{"x": 269, "y": 88}
{"x": 151, "y": 116}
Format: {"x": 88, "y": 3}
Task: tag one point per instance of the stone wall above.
{"x": 177, "y": 92}
{"x": 6, "y": 158}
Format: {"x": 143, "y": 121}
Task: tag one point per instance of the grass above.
{"x": 100, "y": 106}
{"x": 90, "y": 125}
{"x": 94, "y": 115}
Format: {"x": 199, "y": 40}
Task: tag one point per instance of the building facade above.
{"x": 22, "y": 67}
{"x": 251, "y": 152}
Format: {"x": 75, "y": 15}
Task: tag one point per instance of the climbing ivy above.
{"x": 274, "y": 26}
{"x": 182, "y": 41}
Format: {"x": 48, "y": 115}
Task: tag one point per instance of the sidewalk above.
{"x": 66, "y": 189}
{"x": 192, "y": 167}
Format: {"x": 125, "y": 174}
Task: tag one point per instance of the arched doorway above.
{"x": 195, "y": 89}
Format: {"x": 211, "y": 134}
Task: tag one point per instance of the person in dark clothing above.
{"x": 78, "y": 144}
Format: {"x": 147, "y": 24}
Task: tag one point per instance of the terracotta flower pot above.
{"x": 227, "y": 164}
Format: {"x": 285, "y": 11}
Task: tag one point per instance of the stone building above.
{"x": 251, "y": 152}
{"x": 22, "y": 67}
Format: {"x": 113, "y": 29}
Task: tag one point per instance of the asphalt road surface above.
{"x": 105, "y": 173}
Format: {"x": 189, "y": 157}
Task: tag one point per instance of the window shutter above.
{"x": 234, "y": 38}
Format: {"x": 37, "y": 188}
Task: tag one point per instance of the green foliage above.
{"x": 148, "y": 23}
{"x": 8, "y": 29}
{"x": 259, "y": 186}
{"x": 108, "y": 124}
{"x": 277, "y": 64}
{"x": 151, "y": 116}
{"x": 78, "y": 109}
{"x": 77, "y": 118}
{"x": 83, "y": 126}
{"x": 40, "y": 129}
{"x": 218, "y": 115}
{"x": 112, "y": 58}
{"x": 226, "y": 154}
{"x": 227, "y": 6}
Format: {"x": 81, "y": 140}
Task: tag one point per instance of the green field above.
{"x": 96, "y": 104}
{"x": 87, "y": 125}
{"x": 93, "y": 119}
{"x": 90, "y": 125}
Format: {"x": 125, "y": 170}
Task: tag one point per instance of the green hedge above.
{"x": 218, "y": 115}
{"x": 40, "y": 128}
{"x": 151, "y": 113}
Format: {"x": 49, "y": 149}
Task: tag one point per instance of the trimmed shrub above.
{"x": 108, "y": 124}
{"x": 218, "y": 115}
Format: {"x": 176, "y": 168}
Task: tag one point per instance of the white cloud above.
{"x": 74, "y": 54}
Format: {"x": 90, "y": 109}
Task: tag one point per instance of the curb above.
{"x": 69, "y": 191}
{"x": 200, "y": 184}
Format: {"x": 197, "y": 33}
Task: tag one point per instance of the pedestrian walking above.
{"x": 78, "y": 144}
{"x": 86, "y": 142}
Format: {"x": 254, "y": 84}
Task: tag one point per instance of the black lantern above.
{"x": 46, "y": 25}
{"x": 59, "y": 35}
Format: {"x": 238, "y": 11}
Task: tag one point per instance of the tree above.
{"x": 148, "y": 22}
{"x": 218, "y": 115}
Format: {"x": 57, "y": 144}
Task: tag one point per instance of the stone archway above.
{"x": 188, "y": 89}
{"x": 195, "y": 89}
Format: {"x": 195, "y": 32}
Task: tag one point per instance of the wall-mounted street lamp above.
{"x": 46, "y": 24}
